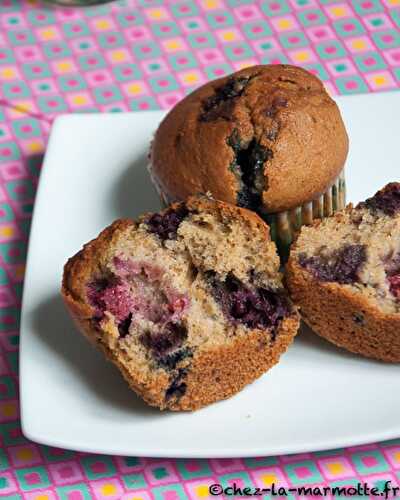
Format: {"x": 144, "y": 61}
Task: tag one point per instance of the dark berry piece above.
{"x": 249, "y": 164}
{"x": 110, "y": 295}
{"x": 94, "y": 292}
{"x": 392, "y": 265}
{"x": 163, "y": 343}
{"x": 392, "y": 268}
{"x": 123, "y": 326}
{"x": 358, "y": 318}
{"x": 387, "y": 200}
{"x": 220, "y": 104}
{"x": 271, "y": 111}
{"x": 278, "y": 102}
{"x": 166, "y": 225}
{"x": 176, "y": 390}
{"x": 341, "y": 266}
{"x": 170, "y": 360}
{"x": 234, "y": 140}
{"x": 394, "y": 283}
{"x": 273, "y": 132}
{"x": 177, "y": 387}
{"x": 258, "y": 308}
{"x": 247, "y": 200}
{"x": 222, "y": 111}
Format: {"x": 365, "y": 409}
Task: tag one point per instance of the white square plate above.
{"x": 318, "y": 397}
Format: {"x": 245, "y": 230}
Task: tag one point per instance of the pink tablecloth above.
{"x": 143, "y": 55}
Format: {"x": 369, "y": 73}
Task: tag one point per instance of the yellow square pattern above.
{"x": 79, "y": 100}
{"x": 108, "y": 489}
{"x": 24, "y": 454}
{"x": 35, "y": 147}
{"x": 302, "y": 56}
{"x": 380, "y": 80}
{"x": 102, "y": 24}
{"x": 7, "y": 231}
{"x": 134, "y": 88}
{"x": 211, "y": 4}
{"x": 156, "y": 14}
{"x": 47, "y": 34}
{"x": 7, "y": 73}
{"x": 21, "y": 108}
{"x": 9, "y": 410}
{"x": 202, "y": 491}
{"x": 190, "y": 78}
{"x": 173, "y": 44}
{"x": 20, "y": 272}
{"x": 338, "y": 11}
{"x": 358, "y": 44}
{"x": 285, "y": 24}
{"x": 118, "y": 56}
{"x": 335, "y": 467}
{"x": 268, "y": 479}
{"x": 228, "y": 36}
{"x": 64, "y": 66}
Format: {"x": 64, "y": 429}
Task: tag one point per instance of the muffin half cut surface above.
{"x": 187, "y": 303}
{"x": 344, "y": 273}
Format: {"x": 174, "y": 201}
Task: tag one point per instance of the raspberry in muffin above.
{"x": 344, "y": 273}
{"x": 268, "y": 138}
{"x": 187, "y": 303}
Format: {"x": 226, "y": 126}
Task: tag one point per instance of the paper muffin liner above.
{"x": 285, "y": 225}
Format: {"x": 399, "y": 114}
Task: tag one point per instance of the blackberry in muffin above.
{"x": 268, "y": 138}
{"x": 187, "y": 303}
{"x": 344, "y": 273}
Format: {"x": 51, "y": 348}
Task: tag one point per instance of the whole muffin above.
{"x": 187, "y": 303}
{"x": 268, "y": 138}
{"x": 344, "y": 273}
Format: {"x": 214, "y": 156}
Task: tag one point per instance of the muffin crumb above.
{"x": 188, "y": 303}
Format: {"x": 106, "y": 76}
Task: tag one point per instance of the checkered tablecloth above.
{"x": 138, "y": 55}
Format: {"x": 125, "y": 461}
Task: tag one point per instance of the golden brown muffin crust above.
{"x": 344, "y": 318}
{"x": 283, "y": 108}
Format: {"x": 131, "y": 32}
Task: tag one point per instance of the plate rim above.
{"x": 31, "y": 432}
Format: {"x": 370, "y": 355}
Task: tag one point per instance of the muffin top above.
{"x": 268, "y": 138}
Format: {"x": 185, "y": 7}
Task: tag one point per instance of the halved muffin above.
{"x": 188, "y": 303}
{"x": 344, "y": 273}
